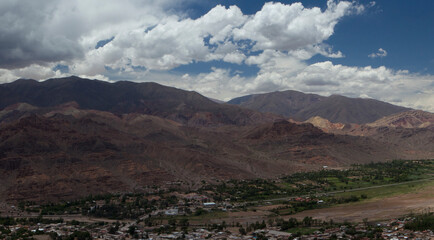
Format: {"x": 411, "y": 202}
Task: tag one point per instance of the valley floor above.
{"x": 377, "y": 209}
{"x": 360, "y": 201}
{"x": 417, "y": 200}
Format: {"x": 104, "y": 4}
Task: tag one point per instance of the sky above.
{"x": 224, "y": 49}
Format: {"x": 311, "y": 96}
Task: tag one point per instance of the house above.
{"x": 209, "y": 204}
{"x": 171, "y": 212}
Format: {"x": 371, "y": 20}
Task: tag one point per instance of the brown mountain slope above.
{"x": 64, "y": 157}
{"x": 64, "y": 152}
{"x": 409, "y": 119}
{"x": 411, "y": 130}
{"x": 349, "y": 110}
{"x": 300, "y": 106}
{"x": 311, "y": 146}
{"x": 286, "y": 103}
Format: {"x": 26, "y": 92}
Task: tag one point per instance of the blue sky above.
{"x": 404, "y": 28}
{"x": 225, "y": 49}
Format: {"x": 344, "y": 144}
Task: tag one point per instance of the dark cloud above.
{"x": 320, "y": 82}
{"x": 25, "y": 38}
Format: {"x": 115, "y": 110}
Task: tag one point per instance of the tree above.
{"x": 78, "y": 235}
{"x": 172, "y": 222}
{"x": 132, "y": 230}
{"x": 242, "y": 231}
{"x": 307, "y": 221}
{"x": 365, "y": 221}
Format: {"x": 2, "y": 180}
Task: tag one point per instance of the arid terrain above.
{"x": 70, "y": 145}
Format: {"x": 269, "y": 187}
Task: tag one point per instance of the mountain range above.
{"x": 122, "y": 97}
{"x": 71, "y": 137}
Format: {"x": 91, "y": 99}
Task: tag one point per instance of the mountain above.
{"x": 127, "y": 97}
{"x": 71, "y": 137}
{"x": 64, "y": 152}
{"x": 335, "y": 108}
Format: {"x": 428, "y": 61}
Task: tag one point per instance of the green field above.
{"x": 312, "y": 183}
{"x": 388, "y": 191}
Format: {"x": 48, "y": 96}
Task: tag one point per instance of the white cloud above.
{"x": 41, "y": 32}
{"x": 234, "y": 57}
{"x": 171, "y": 43}
{"x": 381, "y": 53}
{"x": 7, "y": 76}
{"x": 175, "y": 41}
{"x": 310, "y": 51}
{"x": 30, "y": 72}
{"x": 290, "y": 27}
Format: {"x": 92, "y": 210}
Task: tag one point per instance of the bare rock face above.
{"x": 411, "y": 130}
{"x": 325, "y": 124}
{"x": 409, "y": 119}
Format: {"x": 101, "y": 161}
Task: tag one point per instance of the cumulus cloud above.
{"x": 41, "y": 32}
{"x": 179, "y": 42}
{"x": 33, "y": 71}
{"x": 381, "y": 53}
{"x": 173, "y": 42}
{"x": 289, "y": 27}
{"x": 144, "y": 34}
{"x": 310, "y": 51}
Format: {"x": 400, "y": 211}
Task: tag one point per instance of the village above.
{"x": 254, "y": 209}
{"x": 171, "y": 223}
{"x": 393, "y": 229}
